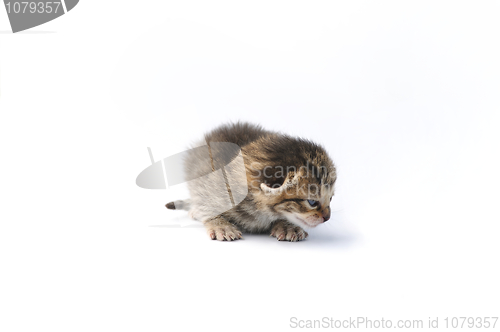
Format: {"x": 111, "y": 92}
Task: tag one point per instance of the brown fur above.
{"x": 281, "y": 173}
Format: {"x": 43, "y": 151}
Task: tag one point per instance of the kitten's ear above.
{"x": 290, "y": 181}
{"x": 268, "y": 190}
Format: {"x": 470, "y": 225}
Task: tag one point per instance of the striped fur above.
{"x": 282, "y": 173}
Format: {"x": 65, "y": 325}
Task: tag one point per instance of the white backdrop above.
{"x": 404, "y": 96}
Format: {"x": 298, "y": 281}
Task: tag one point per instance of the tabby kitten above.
{"x": 285, "y": 183}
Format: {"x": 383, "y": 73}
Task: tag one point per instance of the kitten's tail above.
{"x": 179, "y": 205}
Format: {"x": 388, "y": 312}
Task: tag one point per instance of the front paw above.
{"x": 288, "y": 232}
{"x": 223, "y": 232}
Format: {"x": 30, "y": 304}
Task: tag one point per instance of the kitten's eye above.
{"x": 331, "y": 198}
{"x": 312, "y": 203}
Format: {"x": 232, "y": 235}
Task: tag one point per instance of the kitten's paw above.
{"x": 292, "y": 233}
{"x": 224, "y": 233}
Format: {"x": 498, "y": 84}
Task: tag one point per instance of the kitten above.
{"x": 286, "y": 184}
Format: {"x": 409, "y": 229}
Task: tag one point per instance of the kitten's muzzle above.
{"x": 326, "y": 214}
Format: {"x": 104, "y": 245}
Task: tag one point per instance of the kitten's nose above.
{"x": 326, "y": 215}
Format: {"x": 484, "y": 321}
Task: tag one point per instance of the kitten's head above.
{"x": 303, "y": 200}
{"x": 300, "y": 189}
